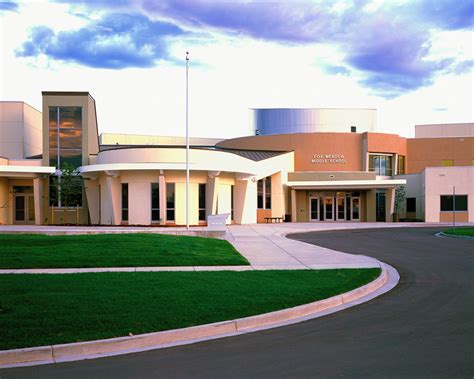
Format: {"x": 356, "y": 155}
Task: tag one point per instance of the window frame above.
{"x": 264, "y": 193}
{"x": 453, "y": 204}
{"x": 124, "y": 195}
{"x": 155, "y": 186}
{"x": 171, "y": 209}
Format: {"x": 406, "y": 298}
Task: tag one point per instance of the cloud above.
{"x": 446, "y": 14}
{"x": 116, "y": 41}
{"x": 8, "y": 6}
{"x": 387, "y": 47}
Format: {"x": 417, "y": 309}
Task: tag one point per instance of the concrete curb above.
{"x": 123, "y": 345}
{"x": 446, "y": 235}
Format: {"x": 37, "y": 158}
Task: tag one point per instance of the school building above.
{"x": 301, "y": 165}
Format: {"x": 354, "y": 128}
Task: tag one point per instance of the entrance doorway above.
{"x": 328, "y": 209}
{"x": 24, "y": 209}
{"x": 380, "y": 205}
{"x": 335, "y": 206}
{"x": 341, "y": 208}
{"x": 313, "y": 209}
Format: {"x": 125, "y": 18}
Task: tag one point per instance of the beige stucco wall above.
{"x": 444, "y": 130}
{"x": 20, "y": 130}
{"x": 414, "y": 188}
{"x": 440, "y": 181}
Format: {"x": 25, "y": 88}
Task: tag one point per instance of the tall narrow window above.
{"x": 155, "y": 202}
{"x": 202, "y": 202}
{"x": 232, "y": 202}
{"x": 264, "y": 193}
{"x": 65, "y": 153}
{"x": 170, "y": 197}
{"x": 260, "y": 194}
{"x": 401, "y": 165}
{"x": 268, "y": 192}
{"x": 124, "y": 201}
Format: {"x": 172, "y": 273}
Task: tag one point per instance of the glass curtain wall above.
{"x": 65, "y": 153}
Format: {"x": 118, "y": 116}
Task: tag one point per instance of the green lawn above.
{"x": 40, "y": 310}
{"x": 465, "y": 231}
{"x": 114, "y": 250}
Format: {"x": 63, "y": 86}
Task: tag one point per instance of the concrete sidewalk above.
{"x": 264, "y": 245}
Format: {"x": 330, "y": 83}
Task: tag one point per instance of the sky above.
{"x": 412, "y": 60}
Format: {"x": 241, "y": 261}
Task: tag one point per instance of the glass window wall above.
{"x": 170, "y": 197}
{"x": 155, "y": 202}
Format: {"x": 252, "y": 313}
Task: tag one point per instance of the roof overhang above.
{"x": 348, "y": 184}
{"x": 25, "y": 171}
{"x": 117, "y": 167}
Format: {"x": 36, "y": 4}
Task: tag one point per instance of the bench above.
{"x": 273, "y": 219}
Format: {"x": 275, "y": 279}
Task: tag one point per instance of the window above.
{"x": 124, "y": 201}
{"x": 155, "y": 202}
{"x": 65, "y": 136}
{"x": 447, "y": 162}
{"x": 65, "y": 191}
{"x": 381, "y": 164}
{"x": 65, "y": 152}
{"x": 264, "y": 193}
{"x": 401, "y": 165}
{"x": 260, "y": 194}
{"x": 202, "y": 202}
{"x": 169, "y": 201}
{"x": 411, "y": 204}
{"x": 353, "y": 129}
{"x": 232, "y": 202}
{"x": 268, "y": 192}
{"x": 459, "y": 203}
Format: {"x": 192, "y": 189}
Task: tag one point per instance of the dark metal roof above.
{"x": 254, "y": 155}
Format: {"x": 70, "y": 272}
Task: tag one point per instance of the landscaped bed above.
{"x": 463, "y": 231}
{"x": 114, "y": 250}
{"x": 38, "y": 310}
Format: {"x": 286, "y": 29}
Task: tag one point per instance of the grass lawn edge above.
{"x": 266, "y": 319}
{"x": 463, "y": 231}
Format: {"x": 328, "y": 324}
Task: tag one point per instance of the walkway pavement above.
{"x": 264, "y": 245}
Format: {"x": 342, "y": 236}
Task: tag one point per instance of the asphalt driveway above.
{"x": 422, "y": 328}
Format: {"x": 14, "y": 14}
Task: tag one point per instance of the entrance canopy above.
{"x": 347, "y": 184}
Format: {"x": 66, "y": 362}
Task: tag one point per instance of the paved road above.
{"x": 423, "y": 327}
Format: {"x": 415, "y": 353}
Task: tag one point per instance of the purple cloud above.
{"x": 8, "y": 6}
{"x": 388, "y": 48}
{"x": 116, "y": 41}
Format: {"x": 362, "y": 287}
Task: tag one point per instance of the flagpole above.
{"x": 187, "y": 144}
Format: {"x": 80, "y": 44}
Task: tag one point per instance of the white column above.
{"x": 389, "y": 204}
{"x": 162, "y": 184}
{"x": 38, "y": 196}
{"x": 293, "y": 205}
{"x": 212, "y": 189}
{"x": 93, "y": 199}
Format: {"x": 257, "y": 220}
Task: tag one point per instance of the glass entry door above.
{"x": 341, "y": 209}
{"x": 329, "y": 208}
{"x": 380, "y": 205}
{"x": 313, "y": 209}
{"x": 355, "y": 208}
{"x": 24, "y": 211}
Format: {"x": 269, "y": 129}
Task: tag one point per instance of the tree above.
{"x": 400, "y": 197}
{"x": 66, "y": 188}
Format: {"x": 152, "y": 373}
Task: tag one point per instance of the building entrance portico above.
{"x": 334, "y": 206}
